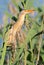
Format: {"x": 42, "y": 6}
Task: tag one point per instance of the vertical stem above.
{"x": 32, "y": 52}
{"x": 25, "y": 57}
{"x": 40, "y": 42}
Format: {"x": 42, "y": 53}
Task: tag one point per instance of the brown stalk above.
{"x": 39, "y": 47}
{"x": 12, "y": 9}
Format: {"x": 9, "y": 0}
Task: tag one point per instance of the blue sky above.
{"x": 38, "y": 3}
{"x": 3, "y": 7}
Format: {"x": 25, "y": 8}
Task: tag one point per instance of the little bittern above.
{"x": 16, "y": 30}
{"x": 18, "y": 25}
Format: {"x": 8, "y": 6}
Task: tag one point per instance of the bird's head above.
{"x": 24, "y": 12}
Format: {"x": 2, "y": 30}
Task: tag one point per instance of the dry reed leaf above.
{"x": 1, "y": 26}
{"x": 12, "y": 9}
{"x": 17, "y": 1}
{"x": 5, "y": 18}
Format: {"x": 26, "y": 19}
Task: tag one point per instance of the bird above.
{"x": 18, "y": 25}
{"x": 16, "y": 31}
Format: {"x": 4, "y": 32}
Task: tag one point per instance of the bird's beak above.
{"x": 29, "y": 11}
